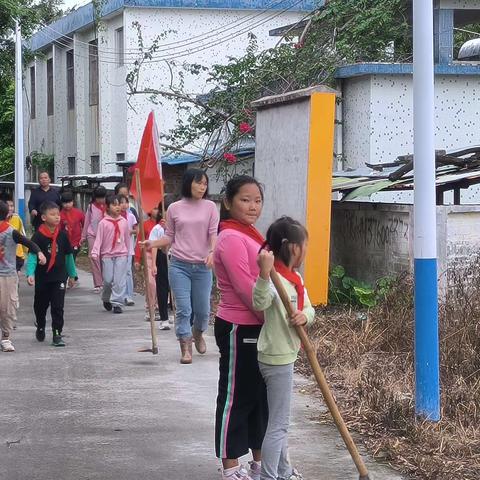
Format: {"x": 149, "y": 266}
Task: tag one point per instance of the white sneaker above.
{"x": 171, "y": 318}
{"x": 164, "y": 325}
{"x": 254, "y": 470}
{"x": 97, "y": 289}
{"x": 7, "y": 346}
{"x": 239, "y": 474}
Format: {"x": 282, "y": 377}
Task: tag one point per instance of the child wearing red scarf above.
{"x": 50, "y": 280}
{"x": 72, "y": 221}
{"x": 112, "y": 246}
{"x": 278, "y": 343}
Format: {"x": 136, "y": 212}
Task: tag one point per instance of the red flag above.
{"x": 148, "y": 163}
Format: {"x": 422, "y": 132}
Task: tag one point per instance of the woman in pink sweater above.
{"x": 191, "y": 232}
{"x": 242, "y": 412}
{"x": 112, "y": 245}
{"x": 95, "y": 213}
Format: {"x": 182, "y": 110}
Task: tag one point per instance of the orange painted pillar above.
{"x": 319, "y": 195}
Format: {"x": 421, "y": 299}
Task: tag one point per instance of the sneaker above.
{"x": 129, "y": 302}
{"x": 107, "y": 306}
{"x": 40, "y": 334}
{"x": 164, "y": 325}
{"x": 117, "y": 309}
{"x": 239, "y": 474}
{"x": 57, "y": 339}
{"x": 7, "y": 346}
{"x": 295, "y": 475}
{"x": 157, "y": 316}
{"x": 171, "y": 319}
{"x": 97, "y": 289}
{"x": 255, "y": 469}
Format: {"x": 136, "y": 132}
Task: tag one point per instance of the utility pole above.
{"x": 19, "y": 155}
{"x": 427, "y": 381}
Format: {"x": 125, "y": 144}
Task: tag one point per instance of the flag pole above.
{"x": 146, "y": 270}
{"x": 19, "y": 154}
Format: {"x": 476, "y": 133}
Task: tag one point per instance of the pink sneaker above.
{"x": 237, "y": 473}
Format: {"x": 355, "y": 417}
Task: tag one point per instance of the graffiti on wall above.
{"x": 375, "y": 231}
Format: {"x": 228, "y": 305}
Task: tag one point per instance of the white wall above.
{"x": 187, "y": 23}
{"x": 387, "y": 131}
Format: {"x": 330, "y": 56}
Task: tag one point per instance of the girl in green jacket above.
{"x": 278, "y": 343}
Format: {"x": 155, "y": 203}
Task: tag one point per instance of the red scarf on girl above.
{"x": 248, "y": 230}
{"x": 101, "y": 206}
{"x": 116, "y": 235}
{"x": 292, "y": 277}
{"x": 4, "y": 226}
{"x": 46, "y": 232}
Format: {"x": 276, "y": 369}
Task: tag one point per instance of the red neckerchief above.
{"x": 4, "y": 226}
{"x": 46, "y": 232}
{"x": 116, "y": 235}
{"x": 100, "y": 206}
{"x": 248, "y": 230}
{"x": 292, "y": 277}
{"x": 124, "y": 215}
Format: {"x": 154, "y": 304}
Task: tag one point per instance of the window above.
{"x": 72, "y": 165}
{"x": 33, "y": 111}
{"x": 93, "y": 72}
{"x": 120, "y": 47}
{"x": 70, "y": 81}
{"x": 120, "y": 158}
{"x": 50, "y": 86}
{"x": 95, "y": 164}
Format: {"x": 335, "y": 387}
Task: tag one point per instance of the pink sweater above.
{"x": 191, "y": 226}
{"x": 93, "y": 217}
{"x": 236, "y": 269}
{"x": 105, "y": 238}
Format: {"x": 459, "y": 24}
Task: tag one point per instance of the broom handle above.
{"x": 146, "y": 270}
{"x": 320, "y": 377}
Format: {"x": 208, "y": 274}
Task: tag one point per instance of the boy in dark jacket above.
{"x": 50, "y": 279}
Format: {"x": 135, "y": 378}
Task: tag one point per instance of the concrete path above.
{"x": 99, "y": 410}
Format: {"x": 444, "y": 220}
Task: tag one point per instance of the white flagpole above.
{"x": 19, "y": 155}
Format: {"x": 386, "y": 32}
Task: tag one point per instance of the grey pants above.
{"x": 114, "y": 271}
{"x": 279, "y": 382}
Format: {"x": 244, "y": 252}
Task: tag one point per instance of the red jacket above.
{"x": 72, "y": 222}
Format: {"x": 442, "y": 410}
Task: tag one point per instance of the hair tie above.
{"x": 285, "y": 240}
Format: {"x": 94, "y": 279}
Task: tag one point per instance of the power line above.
{"x": 183, "y": 53}
{"x": 187, "y": 41}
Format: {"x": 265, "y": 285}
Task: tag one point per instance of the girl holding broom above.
{"x": 278, "y": 343}
{"x": 241, "y": 414}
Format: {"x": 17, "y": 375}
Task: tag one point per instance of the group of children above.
{"x": 109, "y": 227}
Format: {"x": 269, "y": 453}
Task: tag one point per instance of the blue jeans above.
{"x": 191, "y": 284}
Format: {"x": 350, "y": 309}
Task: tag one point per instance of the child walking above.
{"x": 278, "y": 343}
{"x": 132, "y": 228}
{"x": 242, "y": 412}
{"x": 16, "y": 222}
{"x": 9, "y": 240}
{"x": 50, "y": 279}
{"x": 112, "y": 245}
{"x": 159, "y": 268}
{"x": 95, "y": 213}
{"x": 72, "y": 221}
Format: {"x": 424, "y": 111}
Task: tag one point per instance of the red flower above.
{"x": 230, "y": 158}
{"x": 244, "y": 127}
{"x": 299, "y": 45}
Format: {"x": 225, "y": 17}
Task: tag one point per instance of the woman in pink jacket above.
{"x": 242, "y": 412}
{"x": 95, "y": 213}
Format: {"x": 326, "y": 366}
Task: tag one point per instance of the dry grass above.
{"x": 368, "y": 359}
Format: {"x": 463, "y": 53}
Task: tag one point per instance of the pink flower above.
{"x": 244, "y": 127}
{"x": 299, "y": 45}
{"x": 230, "y": 158}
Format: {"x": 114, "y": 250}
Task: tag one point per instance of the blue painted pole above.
{"x": 19, "y": 156}
{"x": 427, "y": 377}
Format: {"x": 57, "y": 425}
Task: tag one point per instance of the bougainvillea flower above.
{"x": 230, "y": 158}
{"x": 244, "y": 127}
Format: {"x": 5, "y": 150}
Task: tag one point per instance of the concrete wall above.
{"x": 375, "y": 240}
{"x": 282, "y": 160}
{"x": 386, "y": 131}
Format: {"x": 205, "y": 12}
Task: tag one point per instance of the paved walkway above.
{"x": 99, "y": 410}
